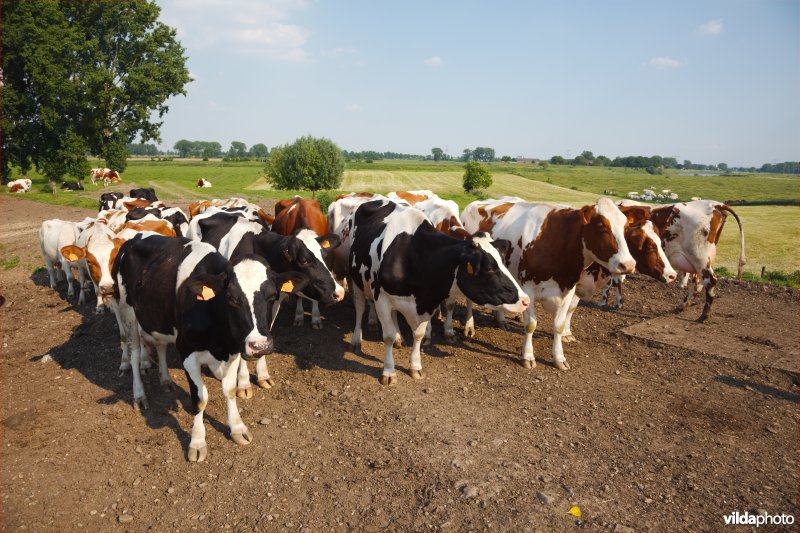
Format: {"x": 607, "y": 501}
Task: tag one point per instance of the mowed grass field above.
{"x": 772, "y": 232}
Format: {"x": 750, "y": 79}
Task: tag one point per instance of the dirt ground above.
{"x": 643, "y": 433}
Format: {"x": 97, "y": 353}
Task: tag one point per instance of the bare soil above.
{"x": 644, "y": 432}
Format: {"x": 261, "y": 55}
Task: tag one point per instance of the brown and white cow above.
{"x": 204, "y": 183}
{"x": 689, "y": 233}
{"x": 551, "y": 246}
{"x": 20, "y": 185}
{"x": 292, "y": 216}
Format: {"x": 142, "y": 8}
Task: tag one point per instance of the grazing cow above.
{"x": 174, "y": 290}
{"x": 53, "y": 236}
{"x": 204, "y": 183}
{"x": 689, "y": 233}
{"x": 292, "y": 216}
{"x": 109, "y": 199}
{"x": 95, "y": 250}
{"x": 20, "y": 185}
{"x": 304, "y": 252}
{"x": 401, "y": 263}
{"x": 552, "y": 245}
{"x": 144, "y": 193}
{"x": 410, "y": 197}
{"x": 71, "y": 186}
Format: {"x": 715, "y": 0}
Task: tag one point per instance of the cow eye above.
{"x": 705, "y": 232}
{"x": 302, "y": 262}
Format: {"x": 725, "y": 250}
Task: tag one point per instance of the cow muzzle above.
{"x": 256, "y": 348}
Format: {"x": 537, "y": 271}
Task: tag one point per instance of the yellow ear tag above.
{"x": 325, "y": 244}
{"x": 470, "y": 270}
{"x": 575, "y": 511}
{"x": 208, "y": 293}
{"x": 72, "y": 257}
{"x": 287, "y": 286}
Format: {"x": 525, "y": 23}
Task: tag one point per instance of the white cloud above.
{"x": 434, "y": 61}
{"x": 261, "y": 28}
{"x": 666, "y": 62}
{"x": 712, "y": 27}
{"x": 354, "y": 108}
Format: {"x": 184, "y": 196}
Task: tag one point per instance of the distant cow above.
{"x": 552, "y": 245}
{"x": 146, "y": 194}
{"x": 20, "y": 185}
{"x": 401, "y": 263}
{"x": 173, "y": 290}
{"x": 71, "y": 186}
{"x": 108, "y": 199}
{"x": 291, "y": 217}
{"x": 204, "y": 183}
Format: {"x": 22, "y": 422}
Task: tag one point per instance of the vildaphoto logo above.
{"x": 758, "y": 519}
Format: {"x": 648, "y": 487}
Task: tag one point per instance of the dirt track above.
{"x": 639, "y": 434}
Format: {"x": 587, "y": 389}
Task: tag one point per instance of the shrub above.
{"x": 476, "y": 176}
{"x": 310, "y": 164}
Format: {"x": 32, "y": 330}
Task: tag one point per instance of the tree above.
{"x": 723, "y": 166}
{"x": 476, "y": 176}
{"x": 437, "y": 154}
{"x": 589, "y": 156}
{"x": 506, "y": 159}
{"x": 184, "y": 147}
{"x": 482, "y": 153}
{"x": 87, "y": 76}
{"x": 466, "y": 155}
{"x": 238, "y": 149}
{"x": 557, "y": 160}
{"x": 259, "y": 150}
{"x": 309, "y": 163}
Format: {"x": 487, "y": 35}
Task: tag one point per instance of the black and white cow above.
{"x": 400, "y": 262}
{"x": 174, "y": 290}
{"x": 174, "y": 215}
{"x": 304, "y": 252}
{"x": 146, "y": 193}
{"x": 108, "y": 199}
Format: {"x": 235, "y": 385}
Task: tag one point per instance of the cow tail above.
{"x": 742, "y": 258}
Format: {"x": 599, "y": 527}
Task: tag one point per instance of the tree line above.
{"x": 207, "y": 149}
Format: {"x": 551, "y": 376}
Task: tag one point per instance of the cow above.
{"x": 644, "y": 245}
{"x": 689, "y": 233}
{"x": 71, "y": 186}
{"x": 20, "y": 185}
{"x": 339, "y": 213}
{"x": 109, "y": 199}
{"x": 410, "y": 197}
{"x": 126, "y": 203}
{"x": 300, "y": 215}
{"x": 53, "y": 236}
{"x": 111, "y": 176}
{"x": 97, "y": 174}
{"x": 304, "y": 252}
{"x": 173, "y": 290}
{"x": 160, "y": 227}
{"x": 552, "y": 245}
{"x": 199, "y": 207}
{"x": 144, "y": 193}
{"x": 401, "y": 263}
{"x": 174, "y": 215}
{"x": 114, "y": 218}
{"x": 204, "y": 183}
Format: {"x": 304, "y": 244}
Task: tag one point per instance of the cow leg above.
{"x": 617, "y": 283}
{"x": 316, "y": 319}
{"x": 299, "y": 314}
{"x": 604, "y": 293}
{"x": 709, "y": 280}
{"x": 239, "y": 432}
{"x": 469, "y": 322}
{"x": 416, "y": 355}
{"x": 359, "y": 301}
{"x": 124, "y": 341}
{"x": 500, "y": 319}
{"x": 398, "y": 339}
{"x": 529, "y": 318}
{"x": 390, "y": 334}
{"x": 82, "y": 286}
{"x": 144, "y": 357}
{"x": 163, "y": 370}
{"x": 560, "y": 311}
{"x": 262, "y": 373}
{"x": 135, "y": 351}
{"x": 372, "y": 317}
{"x": 568, "y": 336}
{"x": 690, "y": 293}
{"x": 449, "y": 332}
{"x": 50, "y": 271}
{"x": 67, "y": 271}
{"x": 198, "y": 451}
{"x": 244, "y": 389}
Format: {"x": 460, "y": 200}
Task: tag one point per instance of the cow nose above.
{"x": 256, "y": 348}
{"x": 525, "y": 301}
{"x": 672, "y": 276}
{"x": 106, "y": 290}
{"x": 338, "y": 294}
{"x": 627, "y": 267}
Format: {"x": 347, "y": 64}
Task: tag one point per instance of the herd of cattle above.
{"x": 212, "y": 281}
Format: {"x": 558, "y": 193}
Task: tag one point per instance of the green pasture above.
{"x": 772, "y": 232}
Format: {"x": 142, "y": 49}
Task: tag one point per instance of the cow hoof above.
{"x": 356, "y": 348}
{"x": 244, "y": 438}
{"x": 297, "y": 322}
{"x": 702, "y": 318}
{"x": 469, "y": 332}
{"x": 316, "y": 325}
{"x": 140, "y": 403}
{"x": 569, "y": 338}
{"x": 389, "y": 380}
{"x": 265, "y": 383}
{"x": 528, "y": 363}
{"x": 245, "y": 394}
{"x": 426, "y": 341}
{"x": 562, "y": 365}
{"x": 450, "y": 337}
{"x": 198, "y": 455}
{"x": 144, "y": 370}
{"x": 398, "y": 342}
{"x": 416, "y": 374}
{"x": 122, "y": 371}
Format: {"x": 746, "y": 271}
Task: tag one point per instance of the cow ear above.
{"x": 637, "y": 215}
{"x": 329, "y": 242}
{"x": 502, "y": 245}
{"x": 290, "y": 282}
{"x": 119, "y": 242}
{"x": 587, "y": 212}
{"x": 73, "y": 253}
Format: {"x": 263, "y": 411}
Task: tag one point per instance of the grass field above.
{"x": 772, "y": 232}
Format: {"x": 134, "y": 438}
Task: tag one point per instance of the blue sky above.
{"x": 709, "y": 81}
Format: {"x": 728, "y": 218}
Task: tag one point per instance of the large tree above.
{"x": 437, "y": 154}
{"x": 84, "y": 76}
{"x": 308, "y": 163}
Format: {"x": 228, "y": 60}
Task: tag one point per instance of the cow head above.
{"x": 484, "y": 279}
{"x": 98, "y": 253}
{"x": 240, "y": 300}
{"x": 603, "y": 235}
{"x": 306, "y": 253}
{"x": 645, "y": 247}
